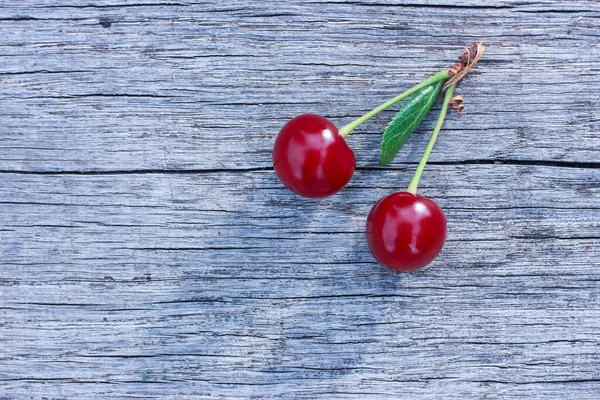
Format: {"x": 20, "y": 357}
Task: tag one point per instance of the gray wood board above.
{"x": 148, "y": 250}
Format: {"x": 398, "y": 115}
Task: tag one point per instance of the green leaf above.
{"x": 406, "y": 121}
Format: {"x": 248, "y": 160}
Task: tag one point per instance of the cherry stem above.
{"x": 346, "y": 129}
{"x": 412, "y": 188}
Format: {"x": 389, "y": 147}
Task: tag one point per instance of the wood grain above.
{"x": 148, "y": 251}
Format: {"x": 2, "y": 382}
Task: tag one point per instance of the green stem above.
{"x": 412, "y": 188}
{"x": 346, "y": 129}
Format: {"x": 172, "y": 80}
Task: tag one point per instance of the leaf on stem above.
{"x": 406, "y": 121}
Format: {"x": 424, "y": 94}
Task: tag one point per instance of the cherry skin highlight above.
{"x": 311, "y": 158}
{"x": 405, "y": 231}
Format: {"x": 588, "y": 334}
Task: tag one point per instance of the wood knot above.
{"x": 105, "y": 22}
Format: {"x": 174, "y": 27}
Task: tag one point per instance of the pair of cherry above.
{"x": 405, "y": 231}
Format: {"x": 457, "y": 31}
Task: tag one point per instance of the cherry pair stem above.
{"x": 440, "y": 76}
{"x": 412, "y": 187}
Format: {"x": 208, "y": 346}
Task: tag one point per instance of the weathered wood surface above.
{"x": 148, "y": 251}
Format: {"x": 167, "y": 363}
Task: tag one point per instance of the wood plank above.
{"x": 225, "y": 283}
{"x": 156, "y": 91}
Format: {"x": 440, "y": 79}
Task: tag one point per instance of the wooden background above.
{"x": 148, "y": 250}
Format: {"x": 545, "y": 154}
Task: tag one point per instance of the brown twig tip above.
{"x": 465, "y": 63}
{"x": 456, "y": 103}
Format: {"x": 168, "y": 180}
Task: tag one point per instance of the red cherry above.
{"x": 311, "y": 158}
{"x": 405, "y": 231}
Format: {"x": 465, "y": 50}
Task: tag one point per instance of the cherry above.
{"x": 311, "y": 158}
{"x": 405, "y": 231}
